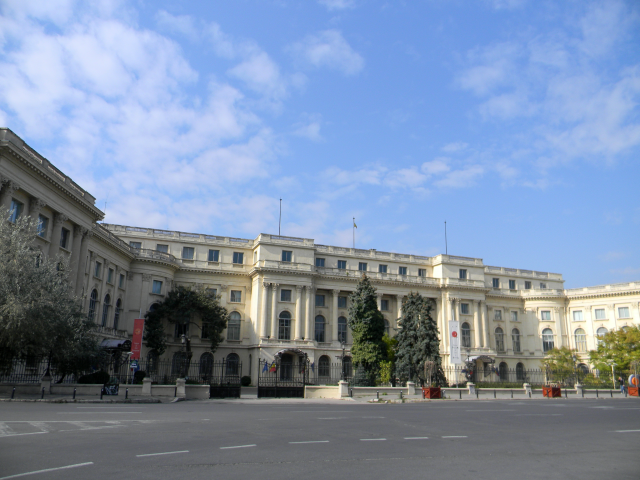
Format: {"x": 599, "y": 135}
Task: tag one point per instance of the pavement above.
{"x": 318, "y": 439}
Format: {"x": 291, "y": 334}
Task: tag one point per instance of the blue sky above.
{"x": 516, "y": 121}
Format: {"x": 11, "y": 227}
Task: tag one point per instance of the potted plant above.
{"x": 431, "y": 391}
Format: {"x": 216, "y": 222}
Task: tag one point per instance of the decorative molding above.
{"x": 223, "y": 288}
{"x": 146, "y": 278}
{"x": 60, "y": 218}
{"x": 36, "y": 205}
{"x": 299, "y": 288}
{"x": 266, "y": 285}
{"x": 78, "y": 231}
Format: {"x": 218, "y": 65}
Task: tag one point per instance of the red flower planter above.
{"x": 431, "y": 392}
{"x": 551, "y": 392}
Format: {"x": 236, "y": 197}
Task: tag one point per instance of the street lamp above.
{"x": 342, "y": 359}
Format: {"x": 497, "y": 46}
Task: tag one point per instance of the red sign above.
{"x": 136, "y": 341}
{"x": 454, "y": 334}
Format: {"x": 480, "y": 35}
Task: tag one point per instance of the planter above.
{"x": 551, "y": 392}
{"x": 633, "y": 391}
{"x": 431, "y": 392}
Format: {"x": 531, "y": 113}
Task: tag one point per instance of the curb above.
{"x": 65, "y": 400}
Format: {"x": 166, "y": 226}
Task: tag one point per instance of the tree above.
{"x": 387, "y": 367}
{"x": 39, "y": 315}
{"x": 418, "y": 350}
{"x": 367, "y": 327}
{"x": 181, "y": 307}
{"x": 559, "y": 364}
{"x": 621, "y": 347}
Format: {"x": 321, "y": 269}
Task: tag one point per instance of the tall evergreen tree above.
{"x": 418, "y": 342}
{"x": 367, "y": 327}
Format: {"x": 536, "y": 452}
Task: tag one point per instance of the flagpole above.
{"x": 446, "y": 248}
{"x": 354, "y": 232}
{"x": 280, "y": 218}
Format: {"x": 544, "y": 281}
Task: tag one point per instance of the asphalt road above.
{"x": 581, "y": 439}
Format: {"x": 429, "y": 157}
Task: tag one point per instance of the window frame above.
{"x": 580, "y": 340}
{"x": 512, "y": 284}
{"x": 154, "y": 290}
{"x": 604, "y": 314}
{"x": 43, "y": 226}
{"x": 621, "y": 309}
{"x": 342, "y": 301}
{"x": 283, "y": 295}
{"x": 320, "y": 261}
{"x": 382, "y": 268}
{"x": 497, "y": 315}
{"x": 548, "y": 340}
{"x": 515, "y": 340}
{"x": 362, "y": 266}
{"x": 384, "y": 305}
{"x": 514, "y": 315}
{"x": 462, "y": 274}
{"x": 320, "y": 300}
{"x": 319, "y": 334}
{"x": 238, "y": 258}
{"x": 527, "y": 284}
{"x": 402, "y": 270}
{"x": 284, "y": 325}
{"x": 465, "y": 335}
{"x": 121, "y": 280}
{"x": 342, "y": 329}
{"x": 164, "y": 249}
{"x": 65, "y": 234}
{"x": 186, "y": 250}
{"x": 545, "y": 313}
{"x": 110, "y": 274}
{"x": 464, "y": 309}
{"x": 499, "y": 336}
{"x": 422, "y": 272}
{"x": 15, "y": 210}
{"x": 136, "y": 245}
{"x": 495, "y": 282}
{"x": 213, "y": 255}
{"x": 97, "y": 269}
{"x": 342, "y": 265}
{"x": 233, "y": 326}
{"x": 577, "y": 316}
{"x": 287, "y": 256}
{"x": 235, "y": 296}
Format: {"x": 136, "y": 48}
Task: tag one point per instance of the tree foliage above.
{"x": 559, "y": 364}
{"x": 183, "y": 306}
{"x": 367, "y": 327}
{"x": 621, "y": 347}
{"x": 418, "y": 349}
{"x": 39, "y": 315}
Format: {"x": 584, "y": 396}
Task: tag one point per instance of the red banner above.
{"x": 136, "y": 342}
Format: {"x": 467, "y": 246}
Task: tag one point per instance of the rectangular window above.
{"x": 577, "y": 315}
{"x": 495, "y": 283}
{"x": 422, "y": 272}
{"x": 157, "y": 287}
{"x": 212, "y": 292}
{"x": 43, "y": 224}
{"x": 162, "y": 248}
{"x": 512, "y": 284}
{"x": 543, "y": 285}
{"x": 342, "y": 302}
{"x": 187, "y": 253}
{"x": 623, "y": 312}
{"x": 238, "y": 258}
{"x": 600, "y": 314}
{"x": 545, "y": 315}
{"x": 64, "y": 238}
{"x": 319, "y": 300}
{"x": 98, "y": 270}
{"x": 382, "y": 268}
{"x": 384, "y": 305}
{"x": 514, "y": 316}
{"x": 362, "y": 266}
{"x": 214, "y": 256}
{"x": 319, "y": 262}
{"x": 463, "y": 273}
{"x": 16, "y": 210}
{"x": 121, "y": 281}
{"x": 402, "y": 270}
{"x": 285, "y": 295}
{"x": 137, "y": 245}
{"x": 464, "y": 308}
{"x": 236, "y": 296}
{"x": 527, "y": 285}
{"x": 287, "y": 255}
{"x": 110, "y": 276}
{"x": 497, "y": 315}
{"x": 342, "y": 264}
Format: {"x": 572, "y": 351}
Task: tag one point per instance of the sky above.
{"x": 515, "y": 121}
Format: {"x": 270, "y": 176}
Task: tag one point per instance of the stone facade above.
{"x": 290, "y": 293}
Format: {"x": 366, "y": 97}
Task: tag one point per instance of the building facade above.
{"x": 291, "y": 294}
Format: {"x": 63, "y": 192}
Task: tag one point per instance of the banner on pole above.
{"x": 454, "y": 343}
{"x": 136, "y": 341}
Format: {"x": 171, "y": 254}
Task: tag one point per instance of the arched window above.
{"x": 206, "y": 365}
{"x": 153, "y": 307}
{"x": 520, "y": 371}
{"x": 233, "y": 326}
{"x": 581, "y": 340}
{"x": 547, "y": 339}
{"x": 320, "y": 328}
{"x": 233, "y": 364}
{"x": 347, "y": 364}
{"x": 465, "y": 331}
{"x": 499, "y": 340}
{"x": 93, "y": 299}
{"x": 105, "y": 309}
{"x": 600, "y": 334}
{"x": 515, "y": 339}
{"x": 387, "y": 328}
{"x": 583, "y": 368}
{"x": 116, "y": 315}
{"x": 323, "y": 366}
{"x": 503, "y": 371}
{"x": 342, "y": 329}
{"x": 177, "y": 362}
{"x": 284, "y": 329}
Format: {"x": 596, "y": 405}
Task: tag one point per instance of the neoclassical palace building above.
{"x": 286, "y": 293}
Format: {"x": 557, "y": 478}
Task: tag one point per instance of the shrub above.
{"x": 95, "y": 378}
{"x": 191, "y": 382}
{"x": 245, "y": 381}
{"x": 139, "y": 376}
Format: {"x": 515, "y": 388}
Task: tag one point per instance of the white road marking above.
{"x": 19, "y": 434}
{"x": 332, "y": 418}
{"x": 483, "y": 410}
{"x": 454, "y": 436}
{"x": 90, "y": 428}
{"x": 372, "y": 439}
{"x": 93, "y": 413}
{"x": 310, "y": 441}
{"x": 114, "y": 406}
{"x": 372, "y": 417}
{"x": 416, "y": 438}
{"x": 236, "y": 446}
{"x": 47, "y": 470}
{"x": 538, "y": 415}
{"x": 40, "y": 425}
{"x": 162, "y": 453}
{"x": 626, "y": 431}
{"x": 5, "y": 429}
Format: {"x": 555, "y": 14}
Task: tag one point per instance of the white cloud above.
{"x": 260, "y": 73}
{"x": 462, "y": 178}
{"x": 181, "y": 24}
{"x": 310, "y": 131}
{"x": 337, "y": 4}
{"x": 454, "y": 147}
{"x": 612, "y": 256}
{"x": 436, "y": 166}
{"x": 328, "y": 49}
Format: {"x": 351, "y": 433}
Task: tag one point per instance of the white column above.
{"x": 298, "y": 320}
{"x": 311, "y": 293}
{"x": 477, "y": 334}
{"x": 485, "y": 323}
{"x": 75, "y": 255}
{"x": 264, "y": 312}
{"x": 274, "y": 312}
{"x": 558, "y": 320}
{"x": 399, "y": 304}
{"x": 446, "y": 311}
{"x": 334, "y": 316}
{"x": 379, "y": 300}
{"x": 82, "y": 262}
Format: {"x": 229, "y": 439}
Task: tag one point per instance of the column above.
{"x": 379, "y": 300}
{"x": 477, "y": 334}
{"x": 274, "y": 310}
{"x": 35, "y": 207}
{"x": 144, "y": 291}
{"x": 82, "y": 260}
{"x": 334, "y": 322}
{"x": 507, "y": 329}
{"x": 7, "y": 192}
{"x": 75, "y": 256}
{"x": 558, "y": 341}
{"x": 485, "y": 323}
{"x": 311, "y": 294}
{"x": 398, "y": 304}
{"x": 446, "y": 309}
{"x": 264, "y": 314}
{"x": 54, "y": 247}
{"x": 298, "y": 324}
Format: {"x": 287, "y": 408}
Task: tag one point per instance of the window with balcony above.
{"x": 188, "y": 253}
{"x": 515, "y": 339}
{"x": 384, "y": 305}
{"x": 319, "y": 300}
{"x": 422, "y": 272}
{"x": 499, "y": 340}
{"x": 214, "y": 256}
{"x": 342, "y": 264}
{"x": 402, "y": 270}
{"x": 285, "y": 295}
{"x": 287, "y": 256}
{"x": 319, "y": 262}
{"x": 465, "y": 333}
{"x": 284, "y": 326}
{"x": 382, "y": 269}
{"x": 462, "y": 274}
{"x": 623, "y": 312}
{"x": 137, "y": 245}
{"x": 156, "y": 287}
{"x": 464, "y": 308}
{"x": 342, "y": 302}
{"x": 512, "y": 284}
{"x": 543, "y": 285}
{"x": 362, "y": 266}
{"x": 233, "y": 326}
{"x": 320, "y": 328}
{"x": 342, "y": 329}
{"x": 495, "y": 283}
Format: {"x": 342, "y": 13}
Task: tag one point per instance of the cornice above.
{"x": 603, "y": 295}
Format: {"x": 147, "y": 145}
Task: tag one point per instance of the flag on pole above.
{"x": 273, "y": 367}
{"x": 266, "y": 366}
{"x": 312, "y": 366}
{"x": 354, "y": 223}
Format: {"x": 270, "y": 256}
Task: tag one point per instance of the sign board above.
{"x": 454, "y": 343}
{"x": 136, "y": 342}
{"x": 134, "y": 364}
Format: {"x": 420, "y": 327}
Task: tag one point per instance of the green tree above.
{"x": 367, "y": 328}
{"x": 559, "y": 364}
{"x": 622, "y": 347}
{"x": 387, "y": 367}
{"x": 39, "y": 315}
{"x": 418, "y": 350}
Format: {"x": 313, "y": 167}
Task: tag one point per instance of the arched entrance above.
{"x": 285, "y": 375}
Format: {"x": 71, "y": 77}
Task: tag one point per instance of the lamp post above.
{"x": 342, "y": 360}
{"x": 574, "y": 358}
{"x": 613, "y": 374}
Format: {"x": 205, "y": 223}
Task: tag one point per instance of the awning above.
{"x": 120, "y": 344}
{"x": 483, "y": 358}
{"x": 295, "y": 351}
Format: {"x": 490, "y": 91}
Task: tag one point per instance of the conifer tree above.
{"x": 367, "y": 327}
{"x": 418, "y": 342}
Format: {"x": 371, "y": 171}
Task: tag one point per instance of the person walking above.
{"x": 621, "y": 380}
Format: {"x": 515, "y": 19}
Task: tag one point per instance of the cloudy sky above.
{"x": 515, "y": 121}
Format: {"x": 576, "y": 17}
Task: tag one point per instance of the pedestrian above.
{"x": 621, "y": 380}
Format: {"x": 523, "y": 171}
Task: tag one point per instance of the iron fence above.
{"x": 31, "y": 370}
{"x": 329, "y": 373}
{"x": 166, "y": 372}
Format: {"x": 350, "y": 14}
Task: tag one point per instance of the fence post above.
{"x": 597, "y": 393}
{"x": 377, "y": 394}
{"x": 126, "y": 394}
{"x": 611, "y": 392}
{"x": 351, "y": 392}
{"x": 74, "y": 393}
{"x": 101, "y": 392}
{"x": 13, "y": 393}
{"x": 529, "y": 393}
{"x": 460, "y": 392}
{"x": 565, "y": 393}
{"x": 42, "y": 396}
{"x": 477, "y": 393}
{"x": 494, "y": 393}
{"x": 511, "y": 393}
{"x": 400, "y": 394}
